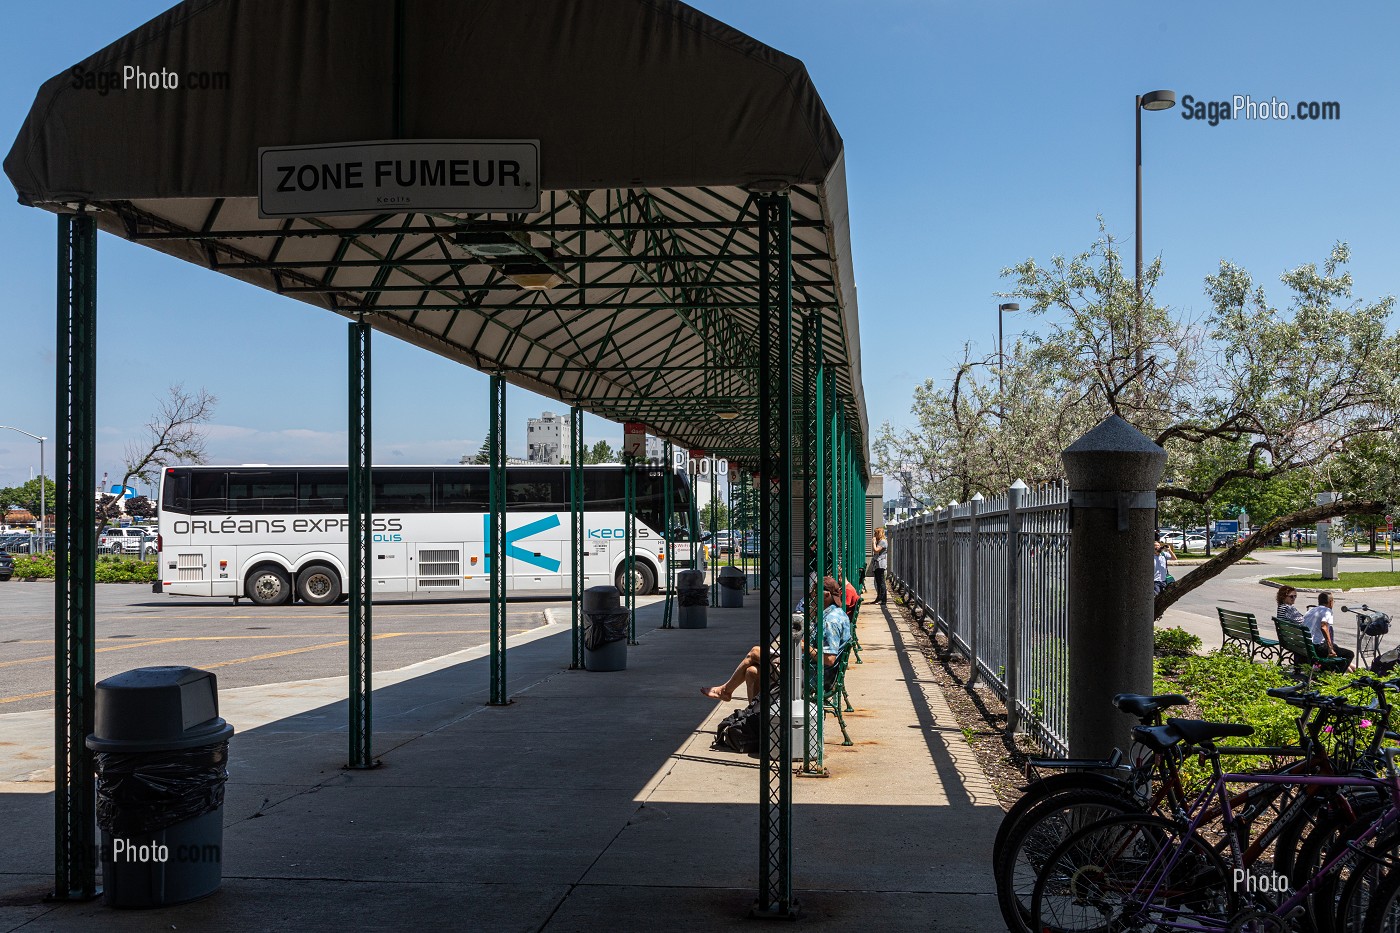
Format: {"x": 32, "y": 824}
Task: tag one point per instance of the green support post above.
{"x": 576, "y": 513}
{"x": 775, "y": 893}
{"x": 361, "y": 504}
{"x": 75, "y": 561}
{"x": 813, "y": 511}
{"x": 629, "y": 552}
{"x": 496, "y": 540}
{"x": 668, "y": 492}
{"x": 714, "y": 531}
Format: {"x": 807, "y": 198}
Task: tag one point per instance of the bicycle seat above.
{"x": 1199, "y": 732}
{"x": 1147, "y": 707}
{"x": 1157, "y": 738}
{"x": 1284, "y": 692}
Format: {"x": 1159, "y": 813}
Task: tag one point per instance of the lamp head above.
{"x": 1009, "y": 306}
{"x": 1158, "y": 100}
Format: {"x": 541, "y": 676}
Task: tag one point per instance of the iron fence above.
{"x": 992, "y": 576}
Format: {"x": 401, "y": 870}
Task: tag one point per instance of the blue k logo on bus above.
{"x": 520, "y": 534}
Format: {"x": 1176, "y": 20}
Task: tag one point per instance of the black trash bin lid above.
{"x": 157, "y": 707}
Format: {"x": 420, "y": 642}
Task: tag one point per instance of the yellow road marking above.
{"x": 26, "y": 696}
{"x": 257, "y": 657}
{"x": 121, "y": 647}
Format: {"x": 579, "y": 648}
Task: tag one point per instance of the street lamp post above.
{"x": 1001, "y": 354}
{"x": 1152, "y": 100}
{"x": 42, "y": 504}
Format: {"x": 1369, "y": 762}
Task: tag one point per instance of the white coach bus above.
{"x": 278, "y": 533}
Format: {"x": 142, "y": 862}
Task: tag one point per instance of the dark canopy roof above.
{"x": 655, "y": 122}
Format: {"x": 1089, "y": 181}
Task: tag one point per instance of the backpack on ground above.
{"x": 739, "y": 730}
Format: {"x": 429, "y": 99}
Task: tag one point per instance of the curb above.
{"x": 1323, "y": 589}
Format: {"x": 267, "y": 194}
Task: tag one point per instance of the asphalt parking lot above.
{"x": 244, "y": 644}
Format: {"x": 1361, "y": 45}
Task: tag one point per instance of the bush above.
{"x": 1225, "y": 686}
{"x": 1174, "y": 642}
{"x": 111, "y": 568}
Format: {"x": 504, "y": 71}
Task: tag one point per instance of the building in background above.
{"x": 547, "y": 437}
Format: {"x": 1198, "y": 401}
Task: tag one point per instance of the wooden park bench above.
{"x": 1242, "y": 630}
{"x": 1297, "y": 641}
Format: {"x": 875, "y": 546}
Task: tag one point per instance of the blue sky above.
{"x": 977, "y": 134}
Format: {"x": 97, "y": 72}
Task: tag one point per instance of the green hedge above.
{"x": 111, "y": 568}
{"x": 1225, "y": 686}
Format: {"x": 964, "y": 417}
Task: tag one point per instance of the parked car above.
{"x": 7, "y": 566}
{"x": 1195, "y": 543}
{"x": 1223, "y": 539}
{"x": 127, "y": 541}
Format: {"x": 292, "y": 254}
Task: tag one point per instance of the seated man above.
{"x": 836, "y": 633}
{"x": 1318, "y": 619}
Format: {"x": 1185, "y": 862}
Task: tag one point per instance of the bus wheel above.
{"x": 318, "y": 585}
{"x": 269, "y": 586}
{"x": 643, "y": 578}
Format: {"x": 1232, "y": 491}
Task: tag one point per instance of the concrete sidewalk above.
{"x": 592, "y": 802}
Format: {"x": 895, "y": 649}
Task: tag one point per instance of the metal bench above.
{"x": 1242, "y": 630}
{"x": 833, "y": 690}
{"x": 1297, "y": 641}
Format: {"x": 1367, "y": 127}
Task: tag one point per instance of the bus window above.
{"x": 461, "y": 490}
{"x": 261, "y": 492}
{"x": 208, "y": 492}
{"x": 403, "y": 490}
{"x": 175, "y": 492}
{"x": 603, "y": 490}
{"x": 320, "y": 491}
{"x": 536, "y": 490}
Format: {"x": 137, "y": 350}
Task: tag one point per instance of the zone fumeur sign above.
{"x": 399, "y": 176}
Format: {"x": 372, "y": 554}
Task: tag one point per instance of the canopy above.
{"x": 657, "y": 125}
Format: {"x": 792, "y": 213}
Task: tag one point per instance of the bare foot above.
{"x": 715, "y": 693}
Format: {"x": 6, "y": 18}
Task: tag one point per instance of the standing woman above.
{"x": 881, "y": 550}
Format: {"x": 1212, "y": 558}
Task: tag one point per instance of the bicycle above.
{"x": 1146, "y": 872}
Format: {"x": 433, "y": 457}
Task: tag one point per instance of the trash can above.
{"x": 731, "y": 588}
{"x": 693, "y": 597}
{"x": 604, "y": 629}
{"x": 162, "y": 762}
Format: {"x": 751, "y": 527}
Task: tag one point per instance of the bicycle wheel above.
{"x": 1039, "y": 790}
{"x": 1383, "y": 906}
{"x": 1333, "y": 832}
{"x": 1361, "y": 884}
{"x": 1134, "y": 872}
{"x": 1038, "y": 833}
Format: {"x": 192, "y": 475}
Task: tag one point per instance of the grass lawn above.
{"x": 1345, "y": 581}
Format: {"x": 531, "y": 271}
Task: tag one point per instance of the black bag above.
{"x": 1376, "y": 625}
{"x": 739, "y": 730}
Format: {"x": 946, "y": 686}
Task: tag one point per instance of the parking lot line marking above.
{"x": 163, "y": 641}
{"x": 122, "y": 647}
{"x": 27, "y": 696}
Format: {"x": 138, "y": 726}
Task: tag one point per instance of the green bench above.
{"x": 1297, "y": 641}
{"x": 1242, "y": 630}
{"x": 833, "y": 689}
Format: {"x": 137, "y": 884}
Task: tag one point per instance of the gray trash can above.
{"x": 693, "y": 597}
{"x": 604, "y": 629}
{"x": 731, "y": 588}
{"x": 162, "y": 762}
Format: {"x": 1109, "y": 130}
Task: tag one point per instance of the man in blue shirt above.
{"x": 836, "y": 634}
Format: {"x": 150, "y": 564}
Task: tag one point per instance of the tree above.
{"x": 1248, "y": 393}
{"x": 600, "y": 452}
{"x": 483, "y": 455}
{"x": 721, "y": 516}
{"x": 175, "y": 434}
{"x": 140, "y": 507}
{"x": 26, "y": 495}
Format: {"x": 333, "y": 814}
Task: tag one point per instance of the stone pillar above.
{"x": 1113, "y": 472}
{"x": 1327, "y": 546}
